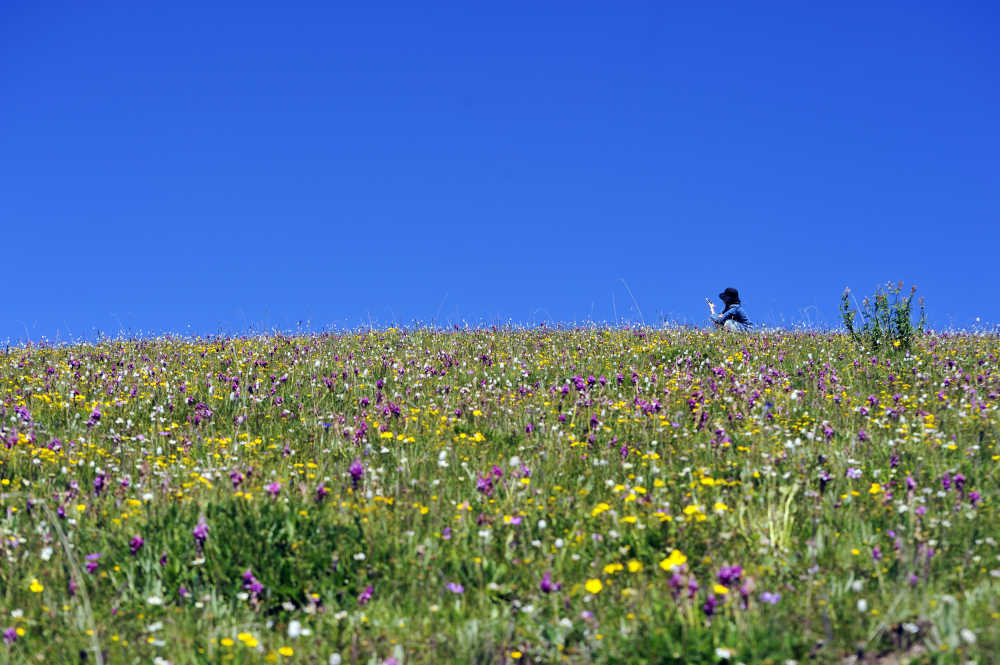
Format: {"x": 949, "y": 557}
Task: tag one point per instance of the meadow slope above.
{"x": 501, "y": 496}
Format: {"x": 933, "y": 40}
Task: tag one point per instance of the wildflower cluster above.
{"x": 500, "y": 495}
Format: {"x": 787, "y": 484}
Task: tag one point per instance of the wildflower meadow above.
{"x": 539, "y": 495}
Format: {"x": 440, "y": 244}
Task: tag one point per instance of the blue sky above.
{"x": 208, "y": 167}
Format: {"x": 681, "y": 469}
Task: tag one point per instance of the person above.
{"x": 732, "y": 317}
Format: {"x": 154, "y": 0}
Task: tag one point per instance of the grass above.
{"x": 501, "y": 496}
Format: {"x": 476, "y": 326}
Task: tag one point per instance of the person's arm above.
{"x": 720, "y": 319}
{"x": 711, "y": 312}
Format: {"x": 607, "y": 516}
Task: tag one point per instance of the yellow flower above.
{"x": 720, "y": 507}
{"x": 599, "y": 508}
{"x": 855, "y": 551}
{"x": 874, "y": 489}
{"x": 515, "y": 655}
{"x": 593, "y": 585}
{"x": 634, "y": 566}
{"x": 719, "y": 589}
{"x": 613, "y": 568}
{"x": 675, "y": 559}
{"x": 36, "y": 586}
{"x": 286, "y": 651}
{"x": 226, "y": 641}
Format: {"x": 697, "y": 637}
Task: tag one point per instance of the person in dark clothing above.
{"x": 732, "y": 317}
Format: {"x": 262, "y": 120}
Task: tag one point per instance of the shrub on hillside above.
{"x": 886, "y": 319}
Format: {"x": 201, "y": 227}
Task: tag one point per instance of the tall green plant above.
{"x": 886, "y": 319}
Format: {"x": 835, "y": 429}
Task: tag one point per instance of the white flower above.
{"x": 862, "y": 605}
{"x": 154, "y": 600}
{"x": 968, "y": 636}
{"x": 334, "y": 659}
{"x": 725, "y": 653}
{"x": 360, "y": 556}
{"x": 155, "y": 626}
{"x": 294, "y": 628}
{"x": 46, "y": 553}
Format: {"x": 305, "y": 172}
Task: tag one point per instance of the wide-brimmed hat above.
{"x": 730, "y": 295}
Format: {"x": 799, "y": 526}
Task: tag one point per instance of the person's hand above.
{"x": 711, "y": 305}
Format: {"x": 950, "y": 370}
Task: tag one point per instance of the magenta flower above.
{"x": 547, "y": 585}
{"x": 321, "y": 492}
{"x": 366, "y": 595}
{"x": 274, "y": 489}
{"x": 135, "y": 544}
{"x": 454, "y": 587}
{"x": 771, "y": 598}
{"x": 92, "y": 559}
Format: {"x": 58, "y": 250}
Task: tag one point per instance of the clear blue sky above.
{"x": 211, "y": 167}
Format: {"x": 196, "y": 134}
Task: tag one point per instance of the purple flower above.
{"x": 454, "y": 587}
{"x": 10, "y": 635}
{"x": 92, "y": 559}
{"x": 274, "y": 489}
{"x": 484, "y": 484}
{"x": 357, "y": 471}
{"x": 183, "y": 592}
{"x": 529, "y": 428}
{"x": 862, "y": 435}
{"x": 709, "y": 607}
{"x": 547, "y": 585}
{"x": 250, "y": 582}
{"x": 366, "y": 595}
{"x": 911, "y": 484}
{"x": 974, "y": 497}
{"x": 236, "y": 477}
{"x": 959, "y": 480}
{"x": 727, "y": 575}
{"x": 676, "y": 583}
{"x": 946, "y": 481}
{"x": 321, "y": 492}
{"x": 135, "y": 544}
{"x": 770, "y": 598}
{"x": 99, "y": 482}
{"x": 853, "y": 473}
{"x": 446, "y": 533}
{"x": 876, "y": 553}
{"x": 200, "y": 533}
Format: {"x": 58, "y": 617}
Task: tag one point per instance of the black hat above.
{"x": 730, "y": 295}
